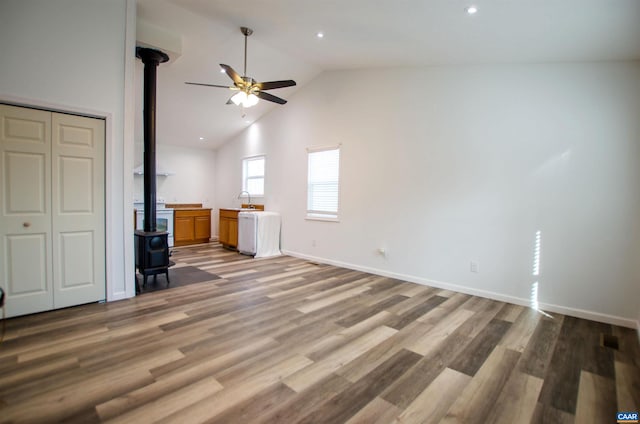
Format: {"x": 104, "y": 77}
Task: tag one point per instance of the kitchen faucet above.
{"x": 249, "y": 196}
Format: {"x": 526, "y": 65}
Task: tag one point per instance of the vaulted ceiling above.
{"x": 358, "y": 34}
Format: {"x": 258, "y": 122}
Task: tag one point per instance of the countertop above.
{"x": 244, "y": 207}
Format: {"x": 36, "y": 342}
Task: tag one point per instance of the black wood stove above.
{"x": 152, "y": 253}
{"x": 151, "y": 246}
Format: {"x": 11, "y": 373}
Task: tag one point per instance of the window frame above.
{"x": 246, "y": 178}
{"x": 316, "y": 215}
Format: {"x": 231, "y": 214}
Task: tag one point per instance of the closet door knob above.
{"x": 26, "y": 224}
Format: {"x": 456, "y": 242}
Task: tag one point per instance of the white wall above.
{"x": 445, "y": 165}
{"x": 192, "y": 180}
{"x": 70, "y": 55}
{"x": 228, "y": 179}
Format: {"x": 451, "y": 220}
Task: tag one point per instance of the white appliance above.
{"x": 164, "y": 218}
{"x": 259, "y": 234}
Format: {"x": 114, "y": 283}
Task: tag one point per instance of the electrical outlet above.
{"x": 474, "y": 266}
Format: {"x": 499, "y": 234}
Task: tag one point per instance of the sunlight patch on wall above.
{"x": 534, "y": 296}
{"x": 554, "y": 164}
{"x": 536, "y": 254}
{"x": 533, "y": 299}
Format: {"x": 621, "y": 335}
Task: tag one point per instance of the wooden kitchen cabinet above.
{"x": 228, "y": 224}
{"x": 228, "y": 228}
{"x": 191, "y": 226}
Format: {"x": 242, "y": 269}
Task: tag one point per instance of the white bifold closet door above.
{"x": 52, "y": 234}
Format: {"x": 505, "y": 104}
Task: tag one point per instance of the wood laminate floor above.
{"x": 283, "y": 340}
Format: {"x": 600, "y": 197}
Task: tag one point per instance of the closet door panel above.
{"x": 78, "y": 209}
{"x": 25, "y": 227}
{"x": 25, "y": 169}
{"x": 26, "y": 279}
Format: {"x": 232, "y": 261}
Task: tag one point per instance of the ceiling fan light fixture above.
{"x": 241, "y": 98}
{"x": 252, "y": 100}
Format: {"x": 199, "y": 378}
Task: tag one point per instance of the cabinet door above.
{"x": 202, "y": 227}
{"x": 233, "y": 232}
{"x": 25, "y": 207}
{"x": 223, "y": 237}
{"x": 183, "y": 229}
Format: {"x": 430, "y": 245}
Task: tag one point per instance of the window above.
{"x": 323, "y": 183}
{"x": 253, "y": 175}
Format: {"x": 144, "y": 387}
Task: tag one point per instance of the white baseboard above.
{"x": 564, "y": 310}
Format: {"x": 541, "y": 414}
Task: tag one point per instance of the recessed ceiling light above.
{"x": 201, "y": 138}
{"x": 471, "y": 10}
{"x": 320, "y": 34}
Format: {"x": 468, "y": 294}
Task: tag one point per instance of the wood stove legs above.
{"x": 155, "y": 277}
{"x": 155, "y": 280}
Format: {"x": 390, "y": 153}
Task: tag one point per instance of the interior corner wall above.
{"x": 530, "y": 170}
{"x": 71, "y": 54}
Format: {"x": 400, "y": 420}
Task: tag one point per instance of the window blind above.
{"x": 323, "y": 183}
{"x": 253, "y": 175}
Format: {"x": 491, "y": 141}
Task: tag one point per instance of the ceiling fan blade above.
{"x": 232, "y": 74}
{"x": 208, "y": 85}
{"x": 270, "y": 98}
{"x": 270, "y": 85}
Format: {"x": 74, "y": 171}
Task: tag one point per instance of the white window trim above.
{"x": 244, "y": 180}
{"x": 322, "y": 218}
{"x": 314, "y": 149}
{"x": 310, "y": 215}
